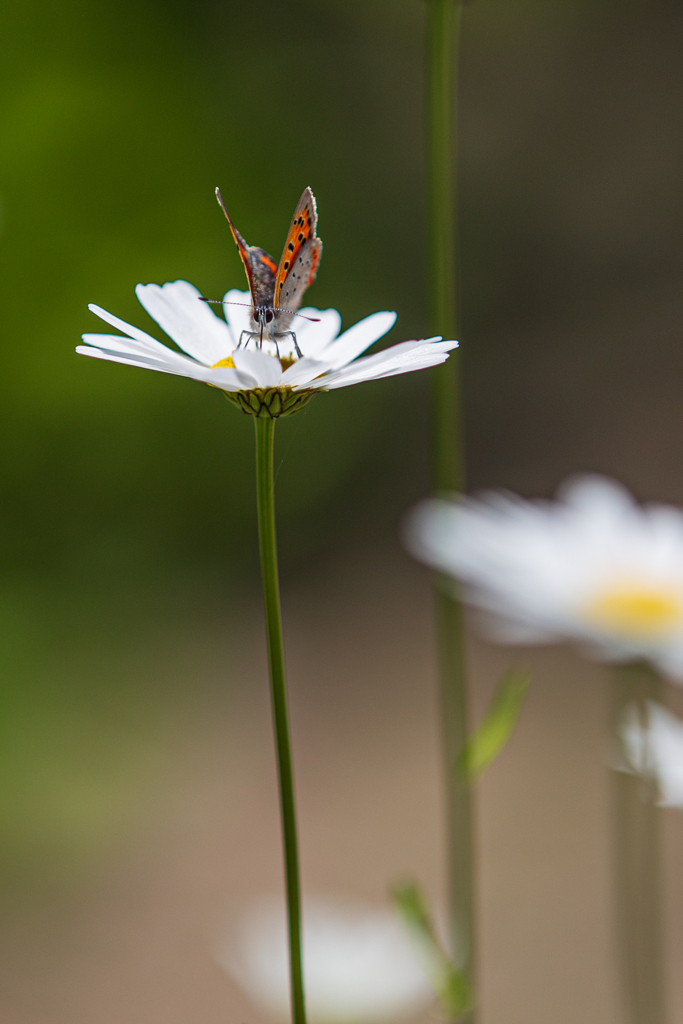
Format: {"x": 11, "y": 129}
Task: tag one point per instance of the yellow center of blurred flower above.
{"x": 637, "y": 610}
{"x": 224, "y": 362}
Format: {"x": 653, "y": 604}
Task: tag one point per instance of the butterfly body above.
{"x": 277, "y": 289}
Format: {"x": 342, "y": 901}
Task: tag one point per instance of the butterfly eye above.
{"x": 269, "y": 315}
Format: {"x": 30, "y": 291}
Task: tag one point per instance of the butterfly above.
{"x": 276, "y": 291}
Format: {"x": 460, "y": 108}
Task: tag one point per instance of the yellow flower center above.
{"x": 637, "y": 610}
{"x": 285, "y": 362}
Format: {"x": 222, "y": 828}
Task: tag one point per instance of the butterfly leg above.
{"x": 249, "y": 334}
{"x": 283, "y": 334}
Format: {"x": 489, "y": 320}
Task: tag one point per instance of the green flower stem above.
{"x": 443, "y": 44}
{"x": 637, "y": 862}
{"x": 265, "y": 491}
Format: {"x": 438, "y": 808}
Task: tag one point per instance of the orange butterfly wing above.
{"x": 298, "y": 268}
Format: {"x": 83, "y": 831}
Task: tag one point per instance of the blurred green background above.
{"x": 127, "y": 532}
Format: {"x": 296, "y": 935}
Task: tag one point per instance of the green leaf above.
{"x": 450, "y": 985}
{"x": 499, "y": 722}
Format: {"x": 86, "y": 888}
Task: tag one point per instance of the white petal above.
{"x": 313, "y": 337}
{"x": 121, "y": 325}
{"x": 163, "y": 358}
{"x": 224, "y": 378}
{"x": 304, "y": 371}
{"x": 596, "y": 496}
{"x": 397, "y": 352}
{"x": 237, "y": 310}
{"x": 362, "y": 335}
{"x": 404, "y": 358}
{"x": 131, "y": 359}
{"x": 430, "y": 531}
{"x": 359, "y": 963}
{"x": 266, "y": 370}
{"x": 346, "y": 380}
{"x": 117, "y": 343}
{"x": 362, "y": 368}
{"x": 177, "y": 308}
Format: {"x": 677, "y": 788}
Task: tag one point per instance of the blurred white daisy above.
{"x": 359, "y": 964}
{"x": 655, "y": 749}
{"x": 260, "y": 381}
{"x": 594, "y": 566}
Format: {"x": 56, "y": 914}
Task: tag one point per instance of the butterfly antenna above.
{"x": 313, "y": 319}
{"x": 277, "y": 309}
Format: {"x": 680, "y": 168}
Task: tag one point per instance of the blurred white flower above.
{"x": 656, "y": 750}
{"x": 359, "y": 964}
{"x": 594, "y": 567}
{"x": 329, "y": 359}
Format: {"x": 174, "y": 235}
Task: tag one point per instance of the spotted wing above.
{"x": 259, "y": 266}
{"x": 300, "y": 258}
{"x": 300, "y": 275}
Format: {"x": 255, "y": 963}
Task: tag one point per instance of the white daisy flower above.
{"x": 593, "y": 567}
{"x": 261, "y": 381}
{"x": 359, "y": 964}
{"x": 655, "y": 750}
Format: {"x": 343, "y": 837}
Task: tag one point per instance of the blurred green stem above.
{"x": 443, "y": 45}
{"x": 265, "y": 491}
{"x": 637, "y": 858}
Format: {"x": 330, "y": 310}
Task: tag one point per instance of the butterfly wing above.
{"x": 300, "y": 259}
{"x": 300, "y": 275}
{"x": 259, "y": 266}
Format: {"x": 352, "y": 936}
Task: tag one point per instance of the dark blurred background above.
{"x": 137, "y": 801}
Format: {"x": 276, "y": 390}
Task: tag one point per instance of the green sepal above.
{"x": 270, "y": 403}
{"x": 450, "y": 984}
{"x": 486, "y": 743}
